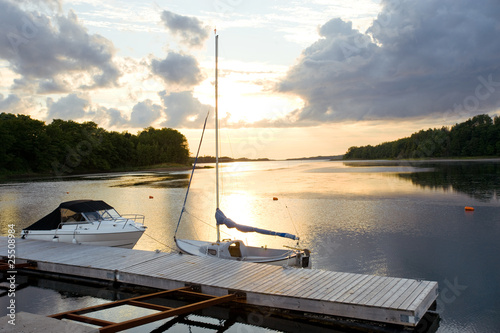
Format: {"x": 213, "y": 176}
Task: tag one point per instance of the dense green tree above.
{"x": 478, "y": 136}
{"x": 62, "y": 147}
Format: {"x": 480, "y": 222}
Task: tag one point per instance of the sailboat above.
{"x": 236, "y": 249}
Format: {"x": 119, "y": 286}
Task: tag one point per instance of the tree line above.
{"x": 478, "y": 136}
{"x": 65, "y": 147}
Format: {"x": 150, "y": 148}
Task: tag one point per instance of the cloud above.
{"x": 9, "y": 103}
{"x": 49, "y": 52}
{"x": 105, "y": 117}
{"x": 115, "y": 118}
{"x": 190, "y": 30}
{"x": 145, "y": 113}
{"x": 178, "y": 69}
{"x": 80, "y": 107}
{"x": 183, "y": 110}
{"x": 50, "y": 4}
{"x": 418, "y": 58}
{"x": 71, "y": 107}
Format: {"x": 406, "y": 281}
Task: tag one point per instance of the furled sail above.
{"x": 222, "y": 219}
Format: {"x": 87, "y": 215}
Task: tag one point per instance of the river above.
{"x": 400, "y": 219}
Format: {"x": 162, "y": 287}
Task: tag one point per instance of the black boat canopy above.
{"x": 68, "y": 211}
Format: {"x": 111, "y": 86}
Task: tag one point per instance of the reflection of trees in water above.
{"x": 479, "y": 180}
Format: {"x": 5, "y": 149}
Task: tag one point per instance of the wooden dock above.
{"x": 358, "y": 296}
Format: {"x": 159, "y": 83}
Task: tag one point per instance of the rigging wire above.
{"x": 204, "y": 222}
{"x": 286, "y": 206}
{"x": 192, "y": 173}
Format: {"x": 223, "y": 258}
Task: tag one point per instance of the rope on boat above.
{"x": 171, "y": 248}
{"x": 157, "y": 240}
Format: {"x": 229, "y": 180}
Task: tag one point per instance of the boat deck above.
{"x": 358, "y": 296}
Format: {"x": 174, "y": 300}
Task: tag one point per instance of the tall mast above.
{"x": 217, "y": 129}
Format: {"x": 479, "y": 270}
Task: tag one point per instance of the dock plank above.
{"x": 289, "y": 285}
{"x": 382, "y": 291}
{"x": 323, "y": 286}
{"x": 404, "y": 302}
{"x": 353, "y": 288}
{"x": 397, "y": 293}
{"x": 367, "y": 285}
{"x": 301, "y": 280}
{"x": 418, "y": 300}
{"x": 346, "y": 279}
{"x": 265, "y": 282}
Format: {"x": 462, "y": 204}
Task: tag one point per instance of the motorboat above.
{"x": 88, "y": 222}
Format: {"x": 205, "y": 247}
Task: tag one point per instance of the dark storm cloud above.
{"x": 419, "y": 58}
{"x": 178, "y": 69}
{"x": 46, "y": 51}
{"x": 183, "y": 109}
{"x": 189, "y": 29}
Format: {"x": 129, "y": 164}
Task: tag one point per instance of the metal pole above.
{"x": 217, "y": 129}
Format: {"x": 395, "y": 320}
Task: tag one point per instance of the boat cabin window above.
{"x": 92, "y": 216}
{"x": 234, "y": 249}
{"x": 67, "y": 215}
{"x": 109, "y": 214}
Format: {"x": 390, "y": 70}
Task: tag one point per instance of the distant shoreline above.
{"x": 175, "y": 168}
{"x": 436, "y": 159}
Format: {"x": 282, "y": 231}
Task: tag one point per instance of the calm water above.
{"x": 384, "y": 218}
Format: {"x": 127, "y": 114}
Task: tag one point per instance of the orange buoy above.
{"x": 275, "y": 198}
{"x": 469, "y": 209}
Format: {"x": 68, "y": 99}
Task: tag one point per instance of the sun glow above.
{"x": 247, "y": 92}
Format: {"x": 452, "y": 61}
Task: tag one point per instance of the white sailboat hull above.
{"x": 228, "y": 250}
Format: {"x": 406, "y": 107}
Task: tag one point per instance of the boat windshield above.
{"x": 105, "y": 214}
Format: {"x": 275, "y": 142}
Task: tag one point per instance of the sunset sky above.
{"x": 296, "y": 78}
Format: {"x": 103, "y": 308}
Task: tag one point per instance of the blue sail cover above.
{"x": 222, "y": 219}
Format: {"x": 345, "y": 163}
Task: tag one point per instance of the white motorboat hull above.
{"x": 294, "y": 258}
{"x": 114, "y": 239}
